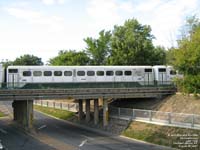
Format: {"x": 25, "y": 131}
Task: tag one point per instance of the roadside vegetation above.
{"x": 62, "y": 114}
{"x": 1, "y": 114}
{"x": 162, "y": 135}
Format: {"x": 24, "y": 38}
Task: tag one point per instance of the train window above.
{"x": 47, "y": 73}
{"x": 109, "y": 73}
{"x": 138, "y": 72}
{"x": 100, "y": 73}
{"x": 118, "y": 73}
{"x": 127, "y": 73}
{"x": 172, "y": 72}
{"x": 162, "y": 70}
{"x": 68, "y": 73}
{"x": 37, "y": 73}
{"x": 26, "y": 73}
{"x": 148, "y": 70}
{"x": 57, "y": 73}
{"x": 13, "y": 71}
{"x": 90, "y": 73}
{"x": 81, "y": 73}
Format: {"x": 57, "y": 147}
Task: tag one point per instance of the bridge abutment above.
{"x": 23, "y": 113}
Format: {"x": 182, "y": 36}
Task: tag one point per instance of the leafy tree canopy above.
{"x": 132, "y": 44}
{"x": 28, "y": 60}
{"x": 99, "y": 49}
{"x": 187, "y": 55}
{"x": 70, "y": 58}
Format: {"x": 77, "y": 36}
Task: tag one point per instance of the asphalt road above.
{"x": 57, "y": 134}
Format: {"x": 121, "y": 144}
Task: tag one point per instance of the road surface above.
{"x": 57, "y": 134}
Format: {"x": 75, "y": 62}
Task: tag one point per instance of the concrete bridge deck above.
{"x": 85, "y": 93}
{"x": 23, "y": 98}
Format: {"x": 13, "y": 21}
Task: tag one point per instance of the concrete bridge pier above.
{"x": 96, "y": 111}
{"x": 80, "y": 111}
{"x": 87, "y": 110}
{"x": 23, "y": 113}
{"x": 105, "y": 112}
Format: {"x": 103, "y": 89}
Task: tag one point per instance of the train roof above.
{"x": 77, "y": 67}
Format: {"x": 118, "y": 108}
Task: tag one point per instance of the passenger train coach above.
{"x": 87, "y": 74}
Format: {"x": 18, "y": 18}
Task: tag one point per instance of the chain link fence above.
{"x": 58, "y": 105}
{"x": 157, "y": 117}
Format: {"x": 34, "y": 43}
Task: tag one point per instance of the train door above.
{"x": 162, "y": 76}
{"x": 148, "y": 76}
{"x": 13, "y": 78}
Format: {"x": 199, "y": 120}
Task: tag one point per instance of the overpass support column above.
{"x": 105, "y": 112}
{"x": 87, "y": 109}
{"x": 96, "y": 111}
{"x": 80, "y": 111}
{"x": 23, "y": 113}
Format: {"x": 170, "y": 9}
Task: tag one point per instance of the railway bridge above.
{"x": 23, "y": 97}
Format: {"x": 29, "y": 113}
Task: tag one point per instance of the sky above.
{"x": 43, "y": 27}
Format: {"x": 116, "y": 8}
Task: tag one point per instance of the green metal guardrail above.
{"x": 85, "y": 85}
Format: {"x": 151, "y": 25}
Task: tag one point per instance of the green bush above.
{"x": 189, "y": 84}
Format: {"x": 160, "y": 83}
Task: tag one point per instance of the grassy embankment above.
{"x": 178, "y": 103}
{"x": 62, "y": 114}
{"x": 162, "y": 135}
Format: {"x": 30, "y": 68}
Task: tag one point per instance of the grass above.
{"x": 62, "y": 114}
{"x": 1, "y": 114}
{"x": 162, "y": 135}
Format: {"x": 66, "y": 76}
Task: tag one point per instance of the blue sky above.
{"x": 43, "y": 27}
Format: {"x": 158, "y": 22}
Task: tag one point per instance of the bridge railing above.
{"x": 20, "y": 85}
{"x": 157, "y": 117}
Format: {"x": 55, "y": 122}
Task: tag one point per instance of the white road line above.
{"x": 41, "y": 127}
{"x": 3, "y": 131}
{"x": 82, "y": 143}
{"x": 1, "y": 146}
{"x": 89, "y": 138}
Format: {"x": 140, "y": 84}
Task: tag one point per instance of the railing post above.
{"x": 150, "y": 115}
{"x": 41, "y": 103}
{"x": 47, "y": 104}
{"x": 192, "y": 124}
{"x": 54, "y": 105}
{"x": 169, "y": 118}
{"x": 133, "y": 114}
{"x": 60, "y": 105}
{"x": 119, "y": 112}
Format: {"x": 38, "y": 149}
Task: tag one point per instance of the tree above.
{"x": 28, "y": 60}
{"x": 187, "y": 55}
{"x": 70, "y": 58}
{"x": 158, "y": 56}
{"x": 99, "y": 49}
{"x": 131, "y": 44}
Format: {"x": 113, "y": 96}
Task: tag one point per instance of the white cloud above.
{"x": 165, "y": 17}
{"x": 53, "y": 23}
{"x": 52, "y": 2}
